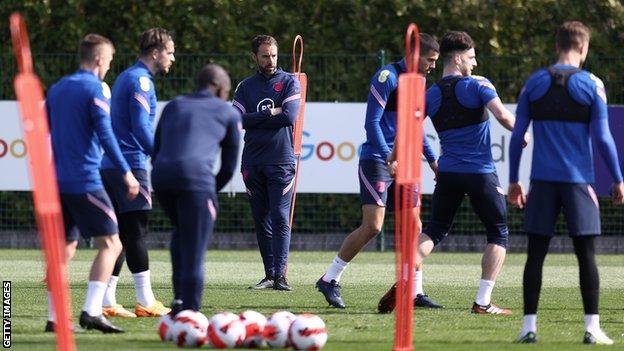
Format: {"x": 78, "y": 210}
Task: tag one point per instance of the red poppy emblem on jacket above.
{"x": 278, "y": 86}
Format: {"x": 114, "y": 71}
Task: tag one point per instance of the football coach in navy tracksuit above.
{"x": 269, "y": 101}
{"x": 191, "y": 130}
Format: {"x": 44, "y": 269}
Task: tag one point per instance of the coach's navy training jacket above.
{"x": 133, "y": 111}
{"x": 78, "y": 108}
{"x": 268, "y": 139}
{"x": 190, "y": 132}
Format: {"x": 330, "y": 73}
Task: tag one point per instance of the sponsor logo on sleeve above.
{"x": 383, "y": 76}
{"x": 106, "y": 90}
{"x": 600, "y": 87}
{"x": 145, "y": 83}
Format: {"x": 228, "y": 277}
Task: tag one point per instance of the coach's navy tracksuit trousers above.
{"x": 269, "y": 189}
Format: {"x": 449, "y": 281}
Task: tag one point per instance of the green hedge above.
{"x": 343, "y": 38}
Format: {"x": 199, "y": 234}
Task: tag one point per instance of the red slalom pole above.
{"x": 409, "y": 143}
{"x": 29, "y": 92}
{"x": 298, "y": 129}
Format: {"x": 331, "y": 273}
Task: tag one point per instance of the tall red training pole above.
{"x": 298, "y": 130}
{"x": 410, "y": 115}
{"x": 43, "y": 176}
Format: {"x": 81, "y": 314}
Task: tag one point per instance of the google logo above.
{"x": 325, "y": 150}
{"x": 17, "y": 148}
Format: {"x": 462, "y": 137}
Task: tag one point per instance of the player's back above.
{"x": 77, "y": 152}
{"x": 561, "y": 110}
{"x": 188, "y": 139}
{"x": 456, "y": 106}
{"x": 133, "y": 96}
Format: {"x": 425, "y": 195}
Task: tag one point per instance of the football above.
{"x": 307, "y": 332}
{"x": 276, "y": 329}
{"x": 254, "y": 323}
{"x": 165, "y": 325}
{"x": 226, "y": 331}
{"x": 190, "y": 329}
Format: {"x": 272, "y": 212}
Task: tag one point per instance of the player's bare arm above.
{"x": 505, "y": 117}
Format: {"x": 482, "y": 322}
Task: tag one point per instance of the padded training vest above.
{"x": 557, "y": 104}
{"x": 451, "y": 113}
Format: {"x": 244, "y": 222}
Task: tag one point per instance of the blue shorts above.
{"x": 117, "y": 189}
{"x": 486, "y": 197}
{"x": 546, "y": 199}
{"x": 377, "y": 185}
{"x": 90, "y": 213}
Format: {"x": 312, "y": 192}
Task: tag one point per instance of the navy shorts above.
{"x": 117, "y": 189}
{"x": 90, "y": 213}
{"x": 546, "y": 199}
{"x": 486, "y": 197}
{"x": 377, "y": 185}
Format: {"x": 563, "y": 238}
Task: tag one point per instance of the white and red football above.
{"x": 254, "y": 323}
{"x": 190, "y": 329}
{"x": 226, "y": 331}
{"x": 165, "y": 323}
{"x": 308, "y": 333}
{"x": 276, "y": 329}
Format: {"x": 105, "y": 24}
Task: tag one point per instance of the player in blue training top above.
{"x": 376, "y": 180}
{"x": 568, "y": 106}
{"x": 78, "y": 109}
{"x": 269, "y": 101}
{"x": 133, "y": 111}
{"x": 191, "y": 131}
{"x": 457, "y": 106}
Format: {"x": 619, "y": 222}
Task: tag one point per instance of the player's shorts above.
{"x": 117, "y": 189}
{"x": 91, "y": 214}
{"x": 486, "y": 197}
{"x": 377, "y": 185}
{"x": 546, "y": 199}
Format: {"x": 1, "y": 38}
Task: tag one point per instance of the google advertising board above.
{"x": 333, "y": 135}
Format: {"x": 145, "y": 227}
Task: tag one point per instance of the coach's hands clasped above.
{"x": 276, "y": 111}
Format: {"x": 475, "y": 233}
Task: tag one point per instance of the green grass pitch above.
{"x": 449, "y": 277}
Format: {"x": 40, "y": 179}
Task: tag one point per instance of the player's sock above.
{"x": 484, "y": 296}
{"x": 51, "y": 314}
{"x": 529, "y": 325}
{"x": 111, "y": 289}
{"x": 95, "y": 296}
{"x": 418, "y": 283}
{"x": 335, "y": 270}
{"x": 143, "y": 287}
{"x": 592, "y": 323}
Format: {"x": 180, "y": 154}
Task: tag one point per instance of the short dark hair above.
{"x": 89, "y": 46}
{"x": 571, "y": 34}
{"x": 455, "y": 41}
{"x": 261, "y": 39}
{"x": 428, "y": 44}
{"x": 154, "y": 38}
{"x": 212, "y": 75}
